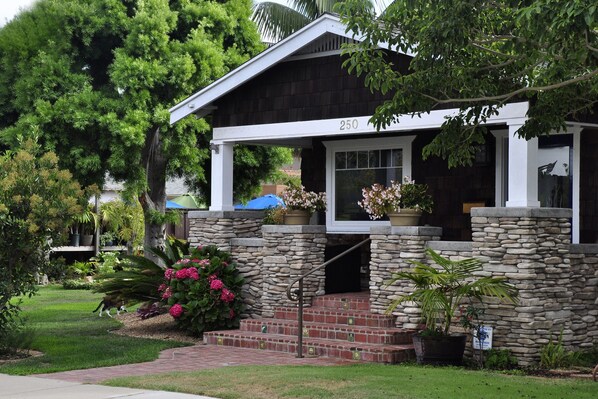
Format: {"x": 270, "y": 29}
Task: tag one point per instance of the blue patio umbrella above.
{"x": 265, "y": 202}
{"x": 173, "y": 205}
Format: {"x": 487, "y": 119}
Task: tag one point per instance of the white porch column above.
{"x": 523, "y": 169}
{"x": 222, "y": 177}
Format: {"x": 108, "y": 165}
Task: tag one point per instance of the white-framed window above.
{"x": 354, "y": 164}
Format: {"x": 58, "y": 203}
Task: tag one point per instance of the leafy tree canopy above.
{"x": 37, "y": 202}
{"x": 95, "y": 79}
{"x": 477, "y": 56}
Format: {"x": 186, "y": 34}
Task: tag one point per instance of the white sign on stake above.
{"x": 484, "y": 341}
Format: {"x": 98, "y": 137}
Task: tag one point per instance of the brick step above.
{"x": 340, "y": 317}
{"x": 360, "y": 334}
{"x": 349, "y": 301}
{"x": 312, "y": 346}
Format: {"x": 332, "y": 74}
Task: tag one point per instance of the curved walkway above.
{"x": 191, "y": 358}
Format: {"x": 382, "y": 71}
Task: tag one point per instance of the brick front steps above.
{"x": 336, "y": 326}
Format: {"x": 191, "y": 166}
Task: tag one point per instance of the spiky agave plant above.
{"x": 140, "y": 277}
{"x": 440, "y": 291}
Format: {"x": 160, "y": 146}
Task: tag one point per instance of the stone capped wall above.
{"x": 530, "y": 247}
{"x": 584, "y": 302}
{"x": 290, "y": 251}
{"x": 219, "y": 228}
{"x": 247, "y": 253}
{"x": 391, "y": 247}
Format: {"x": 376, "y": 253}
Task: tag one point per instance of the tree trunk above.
{"x": 153, "y": 200}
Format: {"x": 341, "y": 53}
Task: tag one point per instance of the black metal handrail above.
{"x": 297, "y": 295}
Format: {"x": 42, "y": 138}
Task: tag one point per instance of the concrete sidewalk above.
{"x": 16, "y": 387}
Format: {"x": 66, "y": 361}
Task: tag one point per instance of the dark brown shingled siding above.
{"x": 311, "y": 89}
{"x": 588, "y": 195}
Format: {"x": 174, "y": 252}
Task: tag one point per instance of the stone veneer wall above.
{"x": 391, "y": 247}
{"x": 584, "y": 302}
{"x": 218, "y": 228}
{"x": 290, "y": 251}
{"x": 247, "y": 253}
{"x": 530, "y": 247}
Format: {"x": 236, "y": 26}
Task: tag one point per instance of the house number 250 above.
{"x": 349, "y": 124}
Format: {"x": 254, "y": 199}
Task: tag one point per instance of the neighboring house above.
{"x": 531, "y": 199}
{"x": 297, "y": 94}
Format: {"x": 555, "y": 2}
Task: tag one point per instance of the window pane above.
{"x": 397, "y": 158}
{"x": 341, "y": 160}
{"x": 385, "y": 159}
{"x": 362, "y": 159}
{"x": 348, "y": 190}
{"x": 352, "y": 160}
{"x": 374, "y": 157}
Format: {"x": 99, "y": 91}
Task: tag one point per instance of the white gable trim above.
{"x": 327, "y": 23}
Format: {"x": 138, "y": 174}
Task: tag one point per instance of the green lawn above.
{"x": 361, "y": 382}
{"x": 72, "y": 337}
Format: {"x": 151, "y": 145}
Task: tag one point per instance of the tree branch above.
{"x": 512, "y": 94}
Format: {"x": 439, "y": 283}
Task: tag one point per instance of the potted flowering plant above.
{"x": 403, "y": 203}
{"x": 301, "y": 204}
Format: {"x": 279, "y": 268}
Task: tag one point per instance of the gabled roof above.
{"x": 296, "y": 44}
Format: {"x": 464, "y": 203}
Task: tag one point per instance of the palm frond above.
{"x": 276, "y": 21}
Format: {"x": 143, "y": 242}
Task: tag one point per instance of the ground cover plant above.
{"x": 360, "y": 382}
{"x": 72, "y": 337}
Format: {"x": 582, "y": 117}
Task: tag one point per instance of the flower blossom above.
{"x": 167, "y": 294}
{"x": 162, "y": 287}
{"x": 182, "y": 274}
{"x": 216, "y": 284}
{"x": 227, "y": 296}
{"x": 168, "y": 274}
{"x": 176, "y": 310}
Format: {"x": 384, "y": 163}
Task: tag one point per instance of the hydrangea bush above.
{"x": 203, "y": 291}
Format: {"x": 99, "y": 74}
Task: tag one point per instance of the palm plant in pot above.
{"x": 438, "y": 292}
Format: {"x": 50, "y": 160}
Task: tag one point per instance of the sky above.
{"x": 9, "y": 8}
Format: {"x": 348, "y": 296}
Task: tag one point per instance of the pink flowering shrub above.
{"x": 379, "y": 200}
{"x": 203, "y": 290}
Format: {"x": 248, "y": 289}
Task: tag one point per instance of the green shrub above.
{"x": 274, "y": 215}
{"x": 500, "y": 359}
{"x": 203, "y": 291}
{"x": 56, "y": 269}
{"x": 73, "y": 284}
{"x": 14, "y": 337}
{"x": 138, "y": 278}
{"x": 105, "y": 263}
{"x": 554, "y": 355}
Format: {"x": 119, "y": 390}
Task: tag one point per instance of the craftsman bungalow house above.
{"x": 297, "y": 94}
{"x": 521, "y": 206}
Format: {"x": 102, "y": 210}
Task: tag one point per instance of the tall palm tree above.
{"x": 277, "y": 21}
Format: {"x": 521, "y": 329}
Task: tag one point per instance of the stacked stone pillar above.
{"x": 391, "y": 248}
{"x": 289, "y": 252}
{"x": 219, "y": 228}
{"x": 530, "y": 247}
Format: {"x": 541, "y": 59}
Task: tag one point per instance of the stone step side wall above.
{"x": 247, "y": 253}
{"x": 391, "y": 248}
{"x": 219, "y": 228}
{"x": 290, "y": 251}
